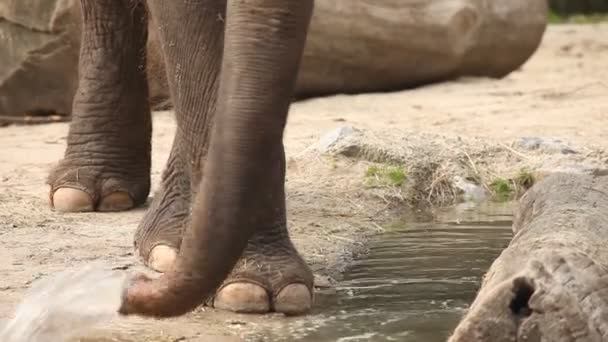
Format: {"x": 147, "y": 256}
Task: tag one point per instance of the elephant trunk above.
{"x": 264, "y": 41}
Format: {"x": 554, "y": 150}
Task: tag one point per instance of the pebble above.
{"x": 547, "y": 145}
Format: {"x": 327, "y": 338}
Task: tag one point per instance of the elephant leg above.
{"x": 106, "y": 166}
{"x": 271, "y": 275}
{"x": 191, "y": 34}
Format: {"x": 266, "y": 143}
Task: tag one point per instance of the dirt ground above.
{"x": 471, "y": 128}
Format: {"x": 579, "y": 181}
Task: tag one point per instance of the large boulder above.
{"x": 551, "y": 282}
{"x": 353, "y": 46}
{"x": 39, "y": 47}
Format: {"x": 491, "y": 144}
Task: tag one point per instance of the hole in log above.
{"x": 522, "y": 290}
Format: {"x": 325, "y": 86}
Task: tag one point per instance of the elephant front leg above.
{"x": 106, "y": 166}
{"x": 270, "y": 275}
{"x": 191, "y": 37}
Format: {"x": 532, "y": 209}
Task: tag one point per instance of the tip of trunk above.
{"x": 167, "y": 296}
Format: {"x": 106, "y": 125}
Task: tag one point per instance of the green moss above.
{"x": 593, "y": 18}
{"x": 502, "y": 189}
{"x": 555, "y": 18}
{"x": 385, "y": 175}
{"x": 525, "y": 179}
{"x": 372, "y": 171}
{"x": 397, "y": 176}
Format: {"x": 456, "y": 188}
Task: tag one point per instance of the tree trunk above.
{"x": 353, "y": 46}
{"x": 379, "y": 45}
{"x": 551, "y": 282}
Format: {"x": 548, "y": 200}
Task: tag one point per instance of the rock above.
{"x": 353, "y": 46}
{"x": 547, "y": 145}
{"x": 338, "y": 142}
{"x": 576, "y": 169}
{"x": 39, "y": 42}
{"x": 471, "y": 192}
{"x": 550, "y": 283}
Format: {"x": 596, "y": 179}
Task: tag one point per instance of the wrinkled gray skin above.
{"x": 551, "y": 282}
{"x": 231, "y": 67}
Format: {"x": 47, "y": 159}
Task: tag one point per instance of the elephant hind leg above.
{"x": 106, "y": 166}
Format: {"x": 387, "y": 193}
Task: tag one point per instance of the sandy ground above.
{"x": 465, "y": 127}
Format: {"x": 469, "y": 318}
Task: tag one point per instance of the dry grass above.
{"x": 413, "y": 169}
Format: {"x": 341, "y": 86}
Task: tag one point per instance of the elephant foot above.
{"x": 276, "y": 280}
{"x": 270, "y": 277}
{"x": 106, "y": 166}
{"x": 158, "y": 237}
{"x": 244, "y": 297}
{"x": 77, "y": 186}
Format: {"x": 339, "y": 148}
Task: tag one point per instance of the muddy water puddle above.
{"x": 414, "y": 283}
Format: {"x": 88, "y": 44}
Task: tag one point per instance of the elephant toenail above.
{"x": 162, "y": 258}
{"x": 71, "y": 200}
{"x": 117, "y": 201}
{"x": 243, "y": 298}
{"x": 294, "y": 299}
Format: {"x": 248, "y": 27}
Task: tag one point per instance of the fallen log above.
{"x": 551, "y": 282}
{"x": 353, "y": 46}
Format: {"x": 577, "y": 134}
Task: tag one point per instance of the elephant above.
{"x": 217, "y": 228}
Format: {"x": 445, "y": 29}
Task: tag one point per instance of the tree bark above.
{"x": 551, "y": 282}
{"x": 381, "y": 45}
{"x": 353, "y": 46}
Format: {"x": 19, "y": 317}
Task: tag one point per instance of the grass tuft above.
{"x": 592, "y": 18}
{"x": 502, "y": 189}
{"x": 524, "y": 180}
{"x": 385, "y": 175}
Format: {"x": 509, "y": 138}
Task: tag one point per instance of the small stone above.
{"x": 471, "y": 191}
{"x": 334, "y": 137}
{"x": 579, "y": 169}
{"x": 322, "y": 281}
{"x": 547, "y": 145}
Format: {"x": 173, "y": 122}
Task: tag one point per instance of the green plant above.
{"x": 372, "y": 171}
{"x": 385, "y": 175}
{"x": 566, "y": 7}
{"x": 524, "y": 179}
{"x": 396, "y": 176}
{"x": 502, "y": 189}
{"x": 556, "y": 17}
